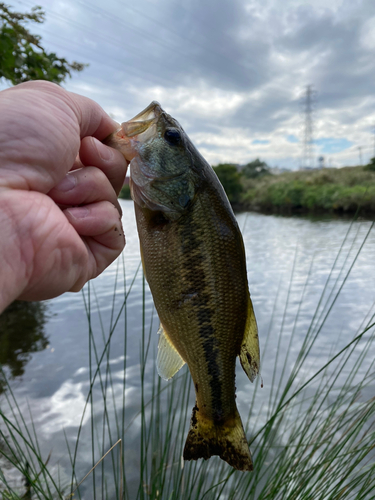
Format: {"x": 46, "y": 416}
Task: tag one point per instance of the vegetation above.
{"x": 125, "y": 192}
{"x": 371, "y": 165}
{"x": 230, "y": 179}
{"x": 255, "y": 169}
{"x": 340, "y": 190}
{"x": 312, "y": 437}
{"x": 327, "y": 190}
{"x": 22, "y": 56}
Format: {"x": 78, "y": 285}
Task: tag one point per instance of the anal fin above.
{"x": 249, "y": 353}
{"x": 168, "y": 361}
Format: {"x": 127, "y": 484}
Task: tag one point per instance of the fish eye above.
{"x": 172, "y": 136}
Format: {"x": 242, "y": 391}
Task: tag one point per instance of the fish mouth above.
{"x": 143, "y": 121}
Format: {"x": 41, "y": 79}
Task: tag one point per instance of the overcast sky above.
{"x": 232, "y": 72}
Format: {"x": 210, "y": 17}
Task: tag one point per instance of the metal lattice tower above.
{"x": 308, "y": 141}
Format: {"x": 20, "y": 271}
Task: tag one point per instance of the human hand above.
{"x": 60, "y": 222}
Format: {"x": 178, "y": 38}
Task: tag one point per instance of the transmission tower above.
{"x": 308, "y": 141}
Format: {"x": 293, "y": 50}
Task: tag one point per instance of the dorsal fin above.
{"x": 168, "y": 361}
{"x": 249, "y": 353}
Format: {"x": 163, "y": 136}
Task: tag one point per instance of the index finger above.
{"x": 40, "y": 133}
{"x": 92, "y": 119}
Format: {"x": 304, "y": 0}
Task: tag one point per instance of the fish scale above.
{"x": 194, "y": 261}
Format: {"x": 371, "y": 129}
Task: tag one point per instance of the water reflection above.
{"x": 296, "y": 267}
{"x": 21, "y": 333}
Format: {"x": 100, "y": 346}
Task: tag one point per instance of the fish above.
{"x": 194, "y": 261}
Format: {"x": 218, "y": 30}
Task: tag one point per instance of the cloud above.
{"x": 232, "y": 72}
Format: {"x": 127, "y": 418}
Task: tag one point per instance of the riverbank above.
{"x": 327, "y": 190}
{"x": 341, "y": 190}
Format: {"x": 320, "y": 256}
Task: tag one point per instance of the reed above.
{"x": 311, "y": 430}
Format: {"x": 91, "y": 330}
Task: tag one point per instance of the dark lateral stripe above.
{"x": 194, "y": 273}
{"x": 210, "y": 346}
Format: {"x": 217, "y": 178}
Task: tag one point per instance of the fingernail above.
{"x": 78, "y": 212}
{"x": 68, "y": 183}
{"x": 104, "y": 152}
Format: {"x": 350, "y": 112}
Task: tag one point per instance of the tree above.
{"x": 22, "y": 57}
{"x": 371, "y": 165}
{"x": 230, "y": 178}
{"x": 256, "y": 168}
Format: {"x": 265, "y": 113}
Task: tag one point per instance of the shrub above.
{"x": 230, "y": 178}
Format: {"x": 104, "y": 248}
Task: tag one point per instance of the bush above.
{"x": 256, "y": 169}
{"x": 371, "y": 165}
{"x": 230, "y": 178}
{"x": 342, "y": 190}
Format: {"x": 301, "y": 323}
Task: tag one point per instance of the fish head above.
{"x": 162, "y": 175}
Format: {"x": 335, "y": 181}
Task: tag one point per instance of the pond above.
{"x": 303, "y": 273}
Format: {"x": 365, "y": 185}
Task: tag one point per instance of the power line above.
{"x": 120, "y": 63}
{"x": 180, "y": 35}
{"x": 145, "y": 35}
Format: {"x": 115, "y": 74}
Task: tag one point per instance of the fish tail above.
{"x": 207, "y": 438}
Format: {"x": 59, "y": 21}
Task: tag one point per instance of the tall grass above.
{"x": 311, "y": 433}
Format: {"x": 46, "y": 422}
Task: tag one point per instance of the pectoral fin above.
{"x": 168, "y": 360}
{"x": 249, "y": 353}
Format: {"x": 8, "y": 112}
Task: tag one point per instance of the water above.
{"x": 290, "y": 262}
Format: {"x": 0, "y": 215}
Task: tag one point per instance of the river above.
{"x": 290, "y": 262}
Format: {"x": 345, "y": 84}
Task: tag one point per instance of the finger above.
{"x": 99, "y": 224}
{"x": 91, "y": 117}
{"x": 109, "y": 160}
{"x": 95, "y": 219}
{"x": 84, "y": 186}
{"x": 40, "y": 133}
{"x": 93, "y": 120}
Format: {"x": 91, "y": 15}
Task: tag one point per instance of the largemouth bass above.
{"x": 194, "y": 261}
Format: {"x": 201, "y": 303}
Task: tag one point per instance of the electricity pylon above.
{"x": 308, "y": 133}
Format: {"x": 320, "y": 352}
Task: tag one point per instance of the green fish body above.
{"x": 194, "y": 261}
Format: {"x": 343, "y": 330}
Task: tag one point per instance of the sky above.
{"x": 234, "y": 73}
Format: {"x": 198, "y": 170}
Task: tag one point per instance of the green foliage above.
{"x": 125, "y": 192}
{"x": 342, "y": 190}
{"x": 255, "y": 169}
{"x": 371, "y": 165}
{"x": 22, "y": 57}
{"x": 230, "y": 178}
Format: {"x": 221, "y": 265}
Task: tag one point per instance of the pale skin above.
{"x": 60, "y": 221}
